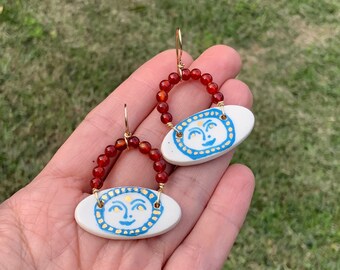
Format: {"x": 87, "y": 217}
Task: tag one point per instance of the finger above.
{"x": 105, "y": 123}
{"x": 209, "y": 243}
{"x": 223, "y": 63}
{"x": 237, "y": 92}
{"x": 193, "y": 186}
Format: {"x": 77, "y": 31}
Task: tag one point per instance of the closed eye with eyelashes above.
{"x": 139, "y": 206}
{"x": 211, "y": 125}
{"x": 116, "y": 207}
{"x": 194, "y": 132}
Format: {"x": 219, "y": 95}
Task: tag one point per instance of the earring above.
{"x": 207, "y": 134}
{"x": 128, "y": 212}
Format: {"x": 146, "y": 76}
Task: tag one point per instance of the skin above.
{"x": 37, "y": 226}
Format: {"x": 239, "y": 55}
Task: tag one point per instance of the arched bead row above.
{"x": 166, "y": 85}
{"x": 111, "y": 151}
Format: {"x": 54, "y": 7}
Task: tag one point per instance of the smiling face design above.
{"x": 128, "y": 211}
{"x": 204, "y": 133}
{"x": 125, "y": 212}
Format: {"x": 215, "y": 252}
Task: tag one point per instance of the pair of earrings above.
{"x": 132, "y": 212}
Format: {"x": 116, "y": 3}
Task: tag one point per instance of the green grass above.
{"x": 58, "y": 59}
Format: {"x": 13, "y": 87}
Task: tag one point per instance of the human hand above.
{"x": 37, "y": 225}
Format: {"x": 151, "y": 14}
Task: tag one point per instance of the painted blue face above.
{"x": 204, "y": 134}
{"x": 123, "y": 211}
{"x": 128, "y": 211}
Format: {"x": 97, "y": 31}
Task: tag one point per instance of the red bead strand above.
{"x": 110, "y": 151}
{"x": 144, "y": 147}
{"x": 162, "y": 96}
{"x": 174, "y": 78}
{"x": 96, "y": 183}
{"x": 206, "y": 78}
{"x": 216, "y": 98}
{"x": 120, "y": 144}
{"x": 162, "y": 107}
{"x": 103, "y": 160}
{"x": 162, "y": 177}
{"x": 195, "y": 74}
{"x": 165, "y": 86}
{"x": 159, "y": 165}
{"x": 185, "y": 74}
{"x": 166, "y": 118}
{"x": 155, "y": 154}
{"x": 98, "y": 172}
{"x": 133, "y": 141}
{"x": 212, "y": 88}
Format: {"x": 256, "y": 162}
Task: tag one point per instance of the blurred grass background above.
{"x": 59, "y": 58}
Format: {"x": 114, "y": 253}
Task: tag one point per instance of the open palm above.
{"x": 37, "y": 225}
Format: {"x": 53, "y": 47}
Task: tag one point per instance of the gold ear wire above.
{"x": 127, "y": 133}
{"x": 179, "y": 51}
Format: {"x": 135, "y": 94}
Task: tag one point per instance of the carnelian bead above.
{"x": 120, "y": 144}
{"x": 144, "y": 147}
{"x": 162, "y": 107}
{"x": 155, "y": 154}
{"x": 98, "y": 172}
{"x": 162, "y": 177}
{"x": 166, "y": 118}
{"x": 103, "y": 160}
{"x": 133, "y": 141}
{"x": 206, "y": 78}
{"x": 110, "y": 151}
{"x": 216, "y": 98}
{"x": 165, "y": 85}
{"x": 185, "y": 74}
{"x": 159, "y": 165}
{"x": 174, "y": 78}
{"x": 195, "y": 74}
{"x": 96, "y": 183}
{"x": 162, "y": 96}
{"x": 212, "y": 88}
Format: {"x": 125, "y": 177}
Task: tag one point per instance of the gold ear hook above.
{"x": 127, "y": 133}
{"x": 179, "y": 51}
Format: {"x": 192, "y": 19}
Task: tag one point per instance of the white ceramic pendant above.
{"x": 128, "y": 213}
{"x": 205, "y": 136}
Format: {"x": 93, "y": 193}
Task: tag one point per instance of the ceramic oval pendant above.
{"x": 128, "y": 213}
{"x": 206, "y": 136}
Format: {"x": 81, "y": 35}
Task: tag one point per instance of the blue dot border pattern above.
{"x": 150, "y": 195}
